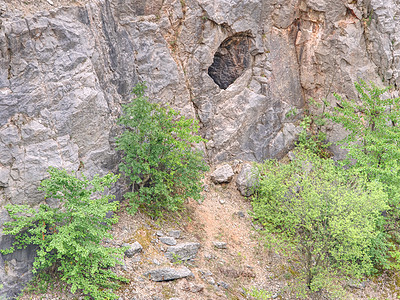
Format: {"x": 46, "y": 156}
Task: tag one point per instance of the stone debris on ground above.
{"x": 222, "y": 174}
{"x": 174, "y": 233}
{"x": 167, "y": 274}
{"x": 182, "y": 252}
{"x": 167, "y": 240}
{"x": 198, "y": 269}
{"x": 239, "y": 69}
{"x": 133, "y": 249}
{"x": 220, "y": 245}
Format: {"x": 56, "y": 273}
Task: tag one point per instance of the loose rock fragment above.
{"x": 185, "y": 251}
{"x": 223, "y": 285}
{"x": 222, "y": 174}
{"x": 170, "y": 241}
{"x": 196, "y": 288}
{"x": 174, "y": 233}
{"x": 247, "y": 180}
{"x": 168, "y": 274}
{"x": 219, "y": 245}
{"x": 134, "y": 248}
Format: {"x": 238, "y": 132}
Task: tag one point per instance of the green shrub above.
{"x": 259, "y": 294}
{"x": 158, "y": 156}
{"x": 374, "y": 138}
{"x": 327, "y": 221}
{"x": 68, "y": 238}
{"x": 312, "y": 137}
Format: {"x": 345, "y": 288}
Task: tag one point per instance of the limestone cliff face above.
{"x": 238, "y": 66}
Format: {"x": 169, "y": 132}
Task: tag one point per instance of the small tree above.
{"x": 68, "y": 238}
{"x": 373, "y": 124}
{"x": 325, "y": 219}
{"x": 311, "y": 136}
{"x": 158, "y": 156}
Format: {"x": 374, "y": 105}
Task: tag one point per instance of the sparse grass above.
{"x": 259, "y": 294}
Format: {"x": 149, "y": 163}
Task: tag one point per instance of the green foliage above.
{"x": 374, "y": 136}
{"x": 158, "y": 157}
{"x": 326, "y": 220}
{"x": 291, "y": 113}
{"x": 68, "y": 238}
{"x": 312, "y": 137}
{"x": 259, "y": 294}
{"x": 41, "y": 283}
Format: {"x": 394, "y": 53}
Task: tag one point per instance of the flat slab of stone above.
{"x": 223, "y": 174}
{"x": 184, "y": 251}
{"x": 168, "y": 274}
{"x": 167, "y": 240}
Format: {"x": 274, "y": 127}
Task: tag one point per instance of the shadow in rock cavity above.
{"x": 231, "y": 60}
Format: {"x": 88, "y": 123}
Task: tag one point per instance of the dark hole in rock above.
{"x": 231, "y": 60}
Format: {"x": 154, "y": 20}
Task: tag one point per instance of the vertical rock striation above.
{"x": 237, "y": 66}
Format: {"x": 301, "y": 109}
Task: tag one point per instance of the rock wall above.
{"x": 238, "y": 66}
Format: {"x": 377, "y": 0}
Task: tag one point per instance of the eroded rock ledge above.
{"x": 237, "y": 66}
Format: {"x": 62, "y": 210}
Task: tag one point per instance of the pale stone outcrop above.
{"x": 237, "y": 66}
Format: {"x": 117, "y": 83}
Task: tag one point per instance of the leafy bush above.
{"x": 158, "y": 157}
{"x": 69, "y": 237}
{"x": 374, "y": 137}
{"x": 325, "y": 219}
{"x": 312, "y": 137}
{"x": 259, "y": 294}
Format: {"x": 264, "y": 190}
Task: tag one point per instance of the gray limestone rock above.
{"x": 167, "y": 240}
{"x": 220, "y": 245}
{"x": 247, "y": 180}
{"x": 182, "y": 252}
{"x": 195, "y": 288}
{"x": 174, "y": 233}
{"x": 167, "y": 274}
{"x": 133, "y": 249}
{"x": 66, "y": 69}
{"x": 4, "y": 175}
{"x": 209, "y": 256}
{"x": 223, "y": 285}
{"x": 223, "y": 174}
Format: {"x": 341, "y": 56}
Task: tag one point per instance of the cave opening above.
{"x": 231, "y": 60}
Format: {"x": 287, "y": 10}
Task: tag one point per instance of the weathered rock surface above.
{"x": 237, "y": 66}
{"x": 133, "y": 249}
{"x": 220, "y": 245}
{"x": 182, "y": 252}
{"x": 174, "y": 233}
{"x": 246, "y": 180}
{"x": 231, "y": 60}
{"x": 222, "y": 174}
{"x": 167, "y": 240}
{"x": 168, "y": 274}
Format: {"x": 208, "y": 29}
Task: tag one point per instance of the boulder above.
{"x": 247, "y": 180}
{"x": 223, "y": 174}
